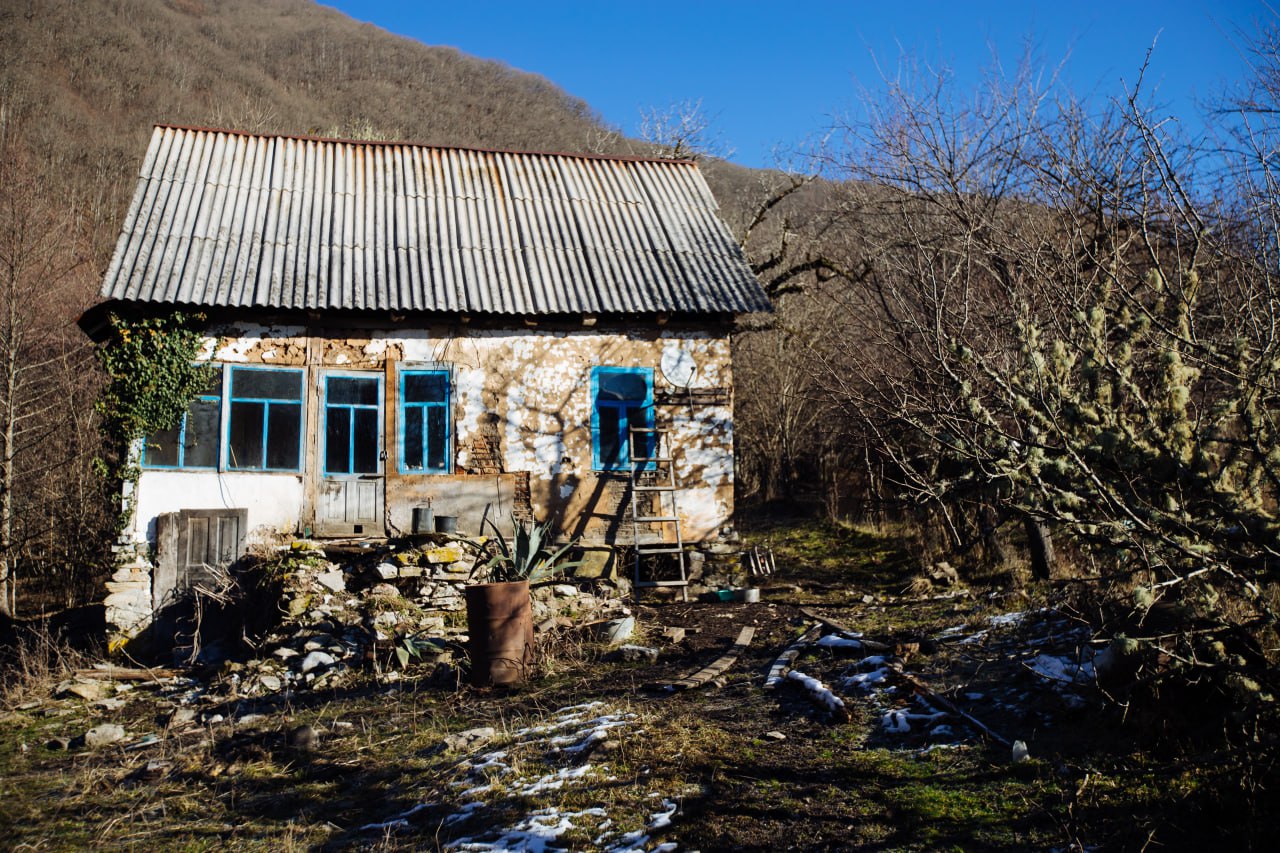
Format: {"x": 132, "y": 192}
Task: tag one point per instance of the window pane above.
{"x": 366, "y": 441}
{"x": 412, "y": 438}
{"x": 201, "y": 450}
{"x": 352, "y": 391}
{"x": 426, "y": 387}
{"x": 162, "y": 448}
{"x": 610, "y": 445}
{"x": 266, "y": 384}
{"x": 337, "y": 440}
{"x": 284, "y": 436}
{"x": 627, "y": 386}
{"x": 436, "y": 443}
{"x": 244, "y": 445}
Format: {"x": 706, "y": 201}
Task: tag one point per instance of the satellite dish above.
{"x": 678, "y": 367}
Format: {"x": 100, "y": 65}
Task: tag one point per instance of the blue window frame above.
{"x": 622, "y": 398}
{"x": 264, "y": 421}
{"x": 193, "y": 443}
{"x": 352, "y": 424}
{"x": 424, "y": 422}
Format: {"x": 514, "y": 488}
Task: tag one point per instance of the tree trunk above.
{"x": 989, "y": 531}
{"x": 1040, "y": 544}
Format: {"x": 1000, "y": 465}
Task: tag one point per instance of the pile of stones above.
{"x": 386, "y": 610}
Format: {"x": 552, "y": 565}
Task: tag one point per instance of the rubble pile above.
{"x": 384, "y": 610}
{"x": 715, "y": 566}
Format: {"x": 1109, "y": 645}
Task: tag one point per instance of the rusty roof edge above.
{"x": 382, "y": 143}
{"x": 94, "y": 320}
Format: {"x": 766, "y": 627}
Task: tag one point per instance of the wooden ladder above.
{"x": 653, "y": 501}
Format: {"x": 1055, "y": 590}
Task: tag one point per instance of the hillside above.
{"x": 81, "y": 84}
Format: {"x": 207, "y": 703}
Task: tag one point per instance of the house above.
{"x": 398, "y": 327}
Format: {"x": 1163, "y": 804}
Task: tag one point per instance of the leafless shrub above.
{"x": 35, "y": 663}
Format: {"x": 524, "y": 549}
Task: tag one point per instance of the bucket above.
{"x": 446, "y": 524}
{"x": 424, "y": 520}
{"x": 500, "y": 631}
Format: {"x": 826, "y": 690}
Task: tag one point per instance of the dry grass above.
{"x": 35, "y": 663}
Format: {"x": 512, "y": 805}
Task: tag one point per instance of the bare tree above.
{"x": 1067, "y": 315}
{"x": 43, "y": 361}
{"x": 682, "y": 131}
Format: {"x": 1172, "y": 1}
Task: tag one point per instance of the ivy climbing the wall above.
{"x": 153, "y": 376}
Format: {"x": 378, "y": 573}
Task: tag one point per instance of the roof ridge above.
{"x": 303, "y": 137}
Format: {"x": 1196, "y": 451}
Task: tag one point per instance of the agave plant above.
{"x": 529, "y": 556}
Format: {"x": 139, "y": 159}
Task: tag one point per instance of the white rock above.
{"x": 334, "y": 581}
{"x": 470, "y": 738}
{"x": 632, "y": 653}
{"x": 103, "y": 735}
{"x": 619, "y": 630}
{"x": 315, "y": 660}
{"x": 388, "y": 571}
{"x": 182, "y": 717}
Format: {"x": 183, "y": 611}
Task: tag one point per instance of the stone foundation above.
{"x": 128, "y": 606}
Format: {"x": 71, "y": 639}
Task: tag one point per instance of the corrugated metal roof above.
{"x": 228, "y": 219}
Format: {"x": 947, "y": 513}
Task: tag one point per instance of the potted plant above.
{"x": 499, "y": 608}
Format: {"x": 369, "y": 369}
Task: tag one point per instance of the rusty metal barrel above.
{"x": 500, "y": 627}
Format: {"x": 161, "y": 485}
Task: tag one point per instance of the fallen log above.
{"x": 869, "y": 645}
{"x": 718, "y": 666}
{"x": 937, "y": 699}
{"x": 820, "y": 694}
{"x": 779, "y": 669}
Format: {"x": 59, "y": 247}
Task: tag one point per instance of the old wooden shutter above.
{"x": 208, "y": 540}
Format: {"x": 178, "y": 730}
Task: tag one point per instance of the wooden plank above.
{"x": 718, "y": 666}
{"x": 778, "y": 671}
{"x": 123, "y": 673}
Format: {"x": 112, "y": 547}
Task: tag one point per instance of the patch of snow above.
{"x": 533, "y": 834}
{"x": 1063, "y": 669}
{"x": 400, "y": 821}
{"x": 895, "y": 722}
{"x": 556, "y": 780}
{"x": 629, "y": 842}
{"x": 662, "y": 819}
{"x": 864, "y": 680}
{"x": 464, "y": 812}
{"x": 834, "y": 641}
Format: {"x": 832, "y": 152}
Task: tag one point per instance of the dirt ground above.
{"x": 912, "y": 748}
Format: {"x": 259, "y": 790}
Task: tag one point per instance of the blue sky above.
{"x": 772, "y": 75}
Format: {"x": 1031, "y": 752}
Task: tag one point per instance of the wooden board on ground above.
{"x": 124, "y": 673}
{"x": 720, "y": 664}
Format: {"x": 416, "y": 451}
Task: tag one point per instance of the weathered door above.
{"x": 194, "y": 550}
{"x": 350, "y": 498}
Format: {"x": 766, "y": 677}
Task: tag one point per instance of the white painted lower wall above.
{"x": 274, "y": 501}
